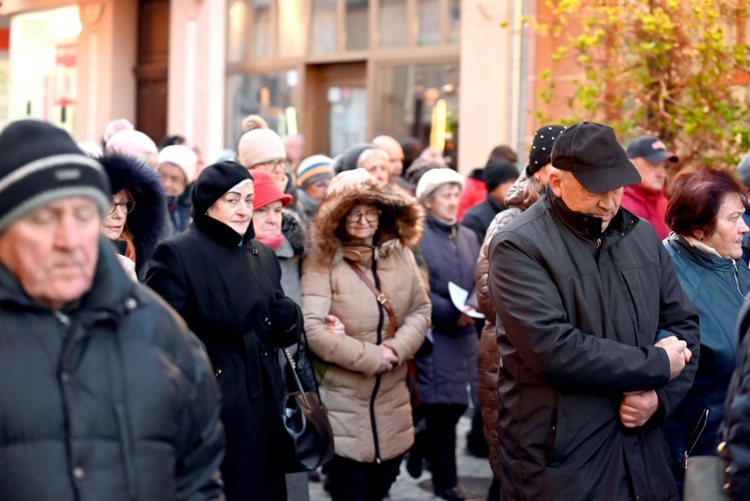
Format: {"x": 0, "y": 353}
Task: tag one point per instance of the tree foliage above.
{"x": 673, "y": 68}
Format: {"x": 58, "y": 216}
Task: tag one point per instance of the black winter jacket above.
{"x": 578, "y": 315}
{"x": 222, "y": 284}
{"x": 112, "y": 399}
{"x": 479, "y": 217}
{"x": 735, "y": 432}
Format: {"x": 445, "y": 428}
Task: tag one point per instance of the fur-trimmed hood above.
{"x": 148, "y": 221}
{"x": 401, "y": 218}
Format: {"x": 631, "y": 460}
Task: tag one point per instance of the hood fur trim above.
{"x": 148, "y": 221}
{"x": 402, "y": 216}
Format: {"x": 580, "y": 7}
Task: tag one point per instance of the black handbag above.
{"x": 305, "y": 418}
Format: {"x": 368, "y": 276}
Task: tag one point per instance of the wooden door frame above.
{"x": 318, "y": 77}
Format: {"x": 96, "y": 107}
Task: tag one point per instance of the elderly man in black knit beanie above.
{"x": 103, "y": 390}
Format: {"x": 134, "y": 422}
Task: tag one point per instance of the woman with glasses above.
{"x": 366, "y": 314}
{"x": 263, "y": 149}
{"x": 446, "y": 372}
{"x": 137, "y": 218}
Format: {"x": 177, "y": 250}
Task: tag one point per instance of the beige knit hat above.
{"x": 259, "y": 146}
{"x": 181, "y": 156}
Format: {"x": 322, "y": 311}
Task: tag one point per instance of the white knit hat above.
{"x": 181, "y": 156}
{"x": 434, "y": 179}
{"x": 259, "y": 146}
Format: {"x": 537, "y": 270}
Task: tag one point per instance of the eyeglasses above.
{"x": 370, "y": 216}
{"x": 126, "y": 206}
{"x": 272, "y": 165}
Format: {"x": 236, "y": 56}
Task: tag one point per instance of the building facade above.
{"x": 456, "y": 74}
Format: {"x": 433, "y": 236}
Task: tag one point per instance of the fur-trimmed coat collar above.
{"x": 401, "y": 217}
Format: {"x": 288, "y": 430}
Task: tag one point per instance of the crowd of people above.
{"x": 149, "y": 302}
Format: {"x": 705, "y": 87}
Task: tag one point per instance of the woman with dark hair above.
{"x": 705, "y": 214}
{"x": 227, "y": 287}
{"x": 138, "y": 216}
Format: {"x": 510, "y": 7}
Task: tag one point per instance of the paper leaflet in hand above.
{"x": 460, "y": 297}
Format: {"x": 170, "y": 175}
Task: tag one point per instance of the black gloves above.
{"x": 283, "y": 313}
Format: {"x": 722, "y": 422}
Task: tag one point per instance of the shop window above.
{"x": 269, "y": 95}
{"x": 356, "y": 23}
{"x": 428, "y": 32}
{"x": 454, "y": 36}
{"x": 292, "y": 28}
{"x": 323, "y": 27}
{"x": 420, "y": 101}
{"x": 392, "y": 17}
{"x": 261, "y": 29}
{"x": 237, "y": 32}
{"x": 43, "y": 63}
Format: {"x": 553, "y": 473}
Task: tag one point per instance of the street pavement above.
{"x": 474, "y": 474}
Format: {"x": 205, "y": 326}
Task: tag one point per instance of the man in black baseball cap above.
{"x": 590, "y": 170}
{"x": 584, "y": 293}
{"x": 647, "y": 200}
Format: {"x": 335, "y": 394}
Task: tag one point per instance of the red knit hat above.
{"x": 266, "y": 190}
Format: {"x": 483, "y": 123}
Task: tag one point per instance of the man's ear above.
{"x": 555, "y": 182}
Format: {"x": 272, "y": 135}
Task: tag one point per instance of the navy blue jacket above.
{"x": 716, "y": 286}
{"x": 451, "y": 253}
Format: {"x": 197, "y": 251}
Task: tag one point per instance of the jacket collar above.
{"x": 441, "y": 225}
{"x": 220, "y": 232}
{"x": 496, "y": 206}
{"x": 698, "y": 256}
{"x": 585, "y": 226}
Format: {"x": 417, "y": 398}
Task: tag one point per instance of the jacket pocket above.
{"x": 555, "y": 437}
{"x": 637, "y": 286}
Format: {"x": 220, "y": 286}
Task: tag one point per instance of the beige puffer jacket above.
{"x": 347, "y": 371}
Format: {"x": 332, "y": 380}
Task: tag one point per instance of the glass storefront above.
{"x": 43, "y": 66}
{"x": 281, "y": 59}
{"x": 420, "y": 101}
{"x": 271, "y": 95}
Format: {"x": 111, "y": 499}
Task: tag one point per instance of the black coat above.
{"x": 114, "y": 399}
{"x": 735, "y": 432}
{"x": 578, "y": 317}
{"x": 223, "y": 291}
{"x": 479, "y": 217}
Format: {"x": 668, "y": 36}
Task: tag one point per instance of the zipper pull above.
{"x": 598, "y": 242}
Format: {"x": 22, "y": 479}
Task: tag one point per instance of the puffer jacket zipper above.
{"x": 378, "y": 377}
{"x": 736, "y": 278}
{"x": 62, "y": 379}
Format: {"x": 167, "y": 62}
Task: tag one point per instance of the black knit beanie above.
{"x": 41, "y": 163}
{"x": 496, "y": 172}
{"x": 214, "y": 181}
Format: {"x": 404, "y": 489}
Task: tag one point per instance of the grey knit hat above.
{"x": 41, "y": 164}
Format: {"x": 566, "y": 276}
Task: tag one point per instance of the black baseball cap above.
{"x": 650, "y": 148}
{"x": 590, "y": 151}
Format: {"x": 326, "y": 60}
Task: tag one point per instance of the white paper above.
{"x": 459, "y": 296}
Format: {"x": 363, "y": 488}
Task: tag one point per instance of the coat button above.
{"x": 79, "y": 472}
{"x": 254, "y": 251}
{"x": 267, "y": 321}
{"x": 263, "y": 353}
{"x": 65, "y": 377}
{"x": 130, "y": 303}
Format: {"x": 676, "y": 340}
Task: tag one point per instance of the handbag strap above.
{"x": 382, "y": 299}
{"x": 293, "y": 365}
